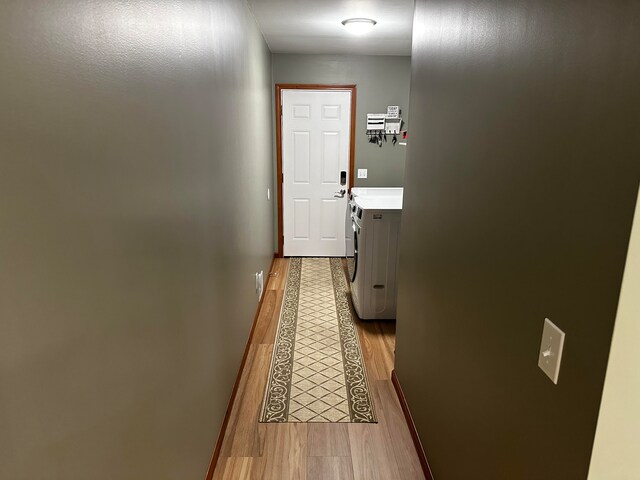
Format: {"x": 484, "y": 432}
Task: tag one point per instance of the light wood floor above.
{"x": 316, "y": 451}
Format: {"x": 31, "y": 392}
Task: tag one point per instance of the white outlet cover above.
{"x": 259, "y": 284}
{"x": 551, "y": 348}
{"x": 362, "y": 173}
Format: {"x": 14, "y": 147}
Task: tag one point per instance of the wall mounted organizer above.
{"x": 379, "y": 125}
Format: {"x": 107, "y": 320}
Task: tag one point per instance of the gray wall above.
{"x": 521, "y": 182}
{"x": 133, "y": 217}
{"x": 380, "y": 80}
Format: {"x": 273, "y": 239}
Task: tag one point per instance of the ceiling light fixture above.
{"x": 359, "y": 26}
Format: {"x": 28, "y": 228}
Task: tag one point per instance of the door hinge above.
{"x": 283, "y": 178}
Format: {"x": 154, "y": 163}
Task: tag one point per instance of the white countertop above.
{"x": 379, "y": 203}
{"x": 377, "y": 191}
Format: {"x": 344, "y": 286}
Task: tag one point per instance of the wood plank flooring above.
{"x": 316, "y": 451}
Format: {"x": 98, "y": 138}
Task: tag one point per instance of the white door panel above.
{"x": 301, "y": 158}
{"x": 301, "y": 220}
{"x": 315, "y": 149}
{"x": 328, "y": 230}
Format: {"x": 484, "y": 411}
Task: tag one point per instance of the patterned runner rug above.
{"x": 317, "y": 372}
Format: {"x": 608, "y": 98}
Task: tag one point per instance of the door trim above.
{"x": 352, "y": 141}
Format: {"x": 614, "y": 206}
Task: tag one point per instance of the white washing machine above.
{"x": 375, "y": 223}
{"x": 369, "y": 192}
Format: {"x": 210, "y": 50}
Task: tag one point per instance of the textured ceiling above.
{"x": 313, "y": 26}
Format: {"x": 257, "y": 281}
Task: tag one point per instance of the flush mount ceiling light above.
{"x": 359, "y": 26}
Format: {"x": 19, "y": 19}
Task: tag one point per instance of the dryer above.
{"x": 375, "y": 223}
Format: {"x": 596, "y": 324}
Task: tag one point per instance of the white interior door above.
{"x": 315, "y": 165}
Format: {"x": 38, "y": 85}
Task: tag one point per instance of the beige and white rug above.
{"x": 317, "y": 372}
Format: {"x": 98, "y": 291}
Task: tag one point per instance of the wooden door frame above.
{"x": 352, "y": 142}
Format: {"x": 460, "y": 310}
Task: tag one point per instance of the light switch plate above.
{"x": 362, "y": 173}
{"x": 551, "y": 350}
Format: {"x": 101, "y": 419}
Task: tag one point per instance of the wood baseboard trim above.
{"x": 234, "y": 392}
{"x": 412, "y": 427}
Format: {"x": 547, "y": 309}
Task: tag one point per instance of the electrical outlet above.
{"x": 362, "y": 173}
{"x": 551, "y": 350}
{"x": 259, "y": 283}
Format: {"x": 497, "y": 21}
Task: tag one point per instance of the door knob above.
{"x": 340, "y": 194}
